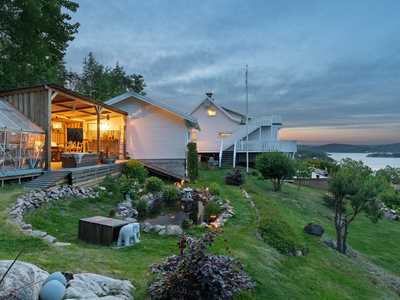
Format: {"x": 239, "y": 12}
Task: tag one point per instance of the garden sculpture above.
{"x": 132, "y": 230}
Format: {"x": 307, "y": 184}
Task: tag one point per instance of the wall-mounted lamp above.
{"x": 57, "y": 125}
{"x": 108, "y": 117}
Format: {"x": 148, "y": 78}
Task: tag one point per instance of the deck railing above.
{"x": 267, "y": 146}
{"x": 203, "y": 147}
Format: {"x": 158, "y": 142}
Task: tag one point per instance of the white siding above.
{"x": 212, "y": 125}
{"x": 152, "y": 133}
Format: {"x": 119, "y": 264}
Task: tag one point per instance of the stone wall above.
{"x": 319, "y": 183}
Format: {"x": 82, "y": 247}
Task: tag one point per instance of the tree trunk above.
{"x": 338, "y": 227}
{"x": 299, "y": 184}
{"x": 345, "y": 238}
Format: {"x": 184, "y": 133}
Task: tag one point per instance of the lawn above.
{"x": 321, "y": 274}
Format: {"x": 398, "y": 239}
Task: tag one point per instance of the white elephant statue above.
{"x": 132, "y": 230}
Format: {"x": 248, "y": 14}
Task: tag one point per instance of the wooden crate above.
{"x": 100, "y": 230}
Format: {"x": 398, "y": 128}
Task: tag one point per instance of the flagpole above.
{"x": 247, "y": 125}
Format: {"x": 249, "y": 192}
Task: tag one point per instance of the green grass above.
{"x": 322, "y": 274}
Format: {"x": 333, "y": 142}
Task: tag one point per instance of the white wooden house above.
{"x": 224, "y": 133}
{"x": 156, "y": 134}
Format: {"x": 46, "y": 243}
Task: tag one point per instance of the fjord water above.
{"x": 375, "y": 163}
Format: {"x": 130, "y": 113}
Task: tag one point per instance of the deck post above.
{"x": 99, "y": 111}
{"x": 234, "y": 155}
{"x": 220, "y": 153}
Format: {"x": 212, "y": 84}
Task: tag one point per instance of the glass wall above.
{"x": 20, "y": 151}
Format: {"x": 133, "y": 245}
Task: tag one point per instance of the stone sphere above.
{"x": 52, "y": 290}
{"x": 57, "y": 276}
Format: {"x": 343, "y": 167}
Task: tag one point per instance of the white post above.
{"x": 247, "y": 125}
{"x": 234, "y": 155}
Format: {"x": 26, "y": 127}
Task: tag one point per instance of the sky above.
{"x": 329, "y": 68}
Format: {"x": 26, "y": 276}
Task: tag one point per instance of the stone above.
{"x": 130, "y": 220}
{"x": 57, "y": 276}
{"x": 314, "y": 228}
{"x": 60, "y": 244}
{"x": 26, "y": 227}
{"x": 162, "y": 232}
{"x": 50, "y": 239}
{"x": 174, "y": 230}
{"x": 93, "y": 286}
{"x": 148, "y": 228}
{"x": 102, "y": 188}
{"x": 21, "y": 274}
{"x": 158, "y": 228}
{"x": 145, "y": 198}
{"x": 52, "y": 290}
{"x": 30, "y": 209}
{"x": 298, "y": 253}
{"x": 143, "y": 225}
{"x": 329, "y": 242}
{"x": 126, "y": 204}
{"x": 38, "y": 233}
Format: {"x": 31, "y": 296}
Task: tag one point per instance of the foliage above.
{"x": 154, "y": 184}
{"x": 255, "y": 173}
{"x": 185, "y": 221}
{"x": 135, "y": 169}
{"x": 329, "y": 201}
{"x": 34, "y": 36}
{"x": 126, "y": 184}
{"x": 170, "y": 192}
{"x": 103, "y": 83}
{"x": 276, "y": 167}
{"x": 303, "y": 170}
{"x": 391, "y": 174}
{"x": 355, "y": 182}
{"x": 314, "y": 155}
{"x": 211, "y": 209}
{"x": 193, "y": 162}
{"x": 111, "y": 184}
{"x": 390, "y": 198}
{"x": 141, "y": 205}
{"x": 197, "y": 274}
{"x": 235, "y": 178}
{"x": 215, "y": 189}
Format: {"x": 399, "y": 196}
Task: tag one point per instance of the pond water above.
{"x": 163, "y": 213}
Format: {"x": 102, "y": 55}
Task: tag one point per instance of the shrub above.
{"x": 154, "y": 184}
{"x": 111, "y": 183}
{"x": 192, "y": 162}
{"x": 197, "y": 274}
{"x": 235, "y": 178}
{"x": 215, "y": 189}
{"x": 255, "y": 173}
{"x": 170, "y": 193}
{"x": 141, "y": 205}
{"x": 126, "y": 184}
{"x": 210, "y": 209}
{"x": 276, "y": 167}
{"x": 134, "y": 169}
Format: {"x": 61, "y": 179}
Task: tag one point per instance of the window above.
{"x": 211, "y": 112}
{"x": 221, "y": 134}
{"x": 228, "y": 133}
{"x": 193, "y": 136}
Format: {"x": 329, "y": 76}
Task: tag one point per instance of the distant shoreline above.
{"x": 384, "y": 155}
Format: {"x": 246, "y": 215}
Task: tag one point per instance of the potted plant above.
{"x": 186, "y": 223}
{"x": 115, "y": 156}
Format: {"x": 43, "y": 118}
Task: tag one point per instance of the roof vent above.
{"x": 209, "y": 95}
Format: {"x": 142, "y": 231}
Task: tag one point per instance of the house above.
{"x": 156, "y": 134}
{"x": 224, "y": 133}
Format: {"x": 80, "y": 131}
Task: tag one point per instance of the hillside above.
{"x": 321, "y": 274}
{"x": 347, "y": 148}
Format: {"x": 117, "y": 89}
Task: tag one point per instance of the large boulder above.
{"x": 329, "y": 242}
{"x": 93, "y": 286}
{"x": 174, "y": 230}
{"x": 20, "y": 275}
{"x": 314, "y": 228}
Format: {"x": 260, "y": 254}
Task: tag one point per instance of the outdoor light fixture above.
{"x": 108, "y": 117}
{"x": 73, "y": 107}
{"x": 57, "y": 125}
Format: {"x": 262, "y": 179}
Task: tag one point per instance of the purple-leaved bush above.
{"x": 196, "y": 274}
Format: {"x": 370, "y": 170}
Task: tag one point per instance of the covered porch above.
{"x": 76, "y": 128}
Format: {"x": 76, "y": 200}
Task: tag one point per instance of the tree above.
{"x": 355, "y": 182}
{"x": 192, "y": 162}
{"x": 391, "y": 174}
{"x": 34, "y": 36}
{"x": 276, "y": 167}
{"x": 103, "y": 83}
{"x": 303, "y": 170}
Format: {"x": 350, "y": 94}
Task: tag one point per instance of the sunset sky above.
{"x": 330, "y": 68}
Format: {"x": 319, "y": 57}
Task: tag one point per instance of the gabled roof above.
{"x": 191, "y": 120}
{"x": 222, "y": 109}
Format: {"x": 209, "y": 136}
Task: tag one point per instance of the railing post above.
{"x": 220, "y": 153}
{"x": 234, "y": 155}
